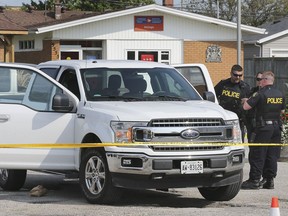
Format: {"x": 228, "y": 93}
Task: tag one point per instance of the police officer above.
{"x": 250, "y": 115}
{"x": 269, "y": 102}
{"x": 230, "y": 92}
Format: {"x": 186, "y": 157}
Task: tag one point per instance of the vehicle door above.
{"x": 198, "y": 76}
{"x": 27, "y": 117}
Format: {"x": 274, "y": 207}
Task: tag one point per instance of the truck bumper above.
{"x": 139, "y": 171}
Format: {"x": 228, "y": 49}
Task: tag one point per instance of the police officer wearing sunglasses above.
{"x": 251, "y": 120}
{"x": 230, "y": 92}
{"x": 269, "y": 103}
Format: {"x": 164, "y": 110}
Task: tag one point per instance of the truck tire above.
{"x": 95, "y": 179}
{"x": 12, "y": 180}
{"x": 224, "y": 193}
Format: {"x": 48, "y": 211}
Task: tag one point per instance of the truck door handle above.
{"x": 4, "y": 117}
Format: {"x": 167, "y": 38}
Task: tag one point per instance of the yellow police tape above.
{"x": 94, "y": 145}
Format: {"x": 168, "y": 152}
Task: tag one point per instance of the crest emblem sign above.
{"x": 213, "y": 54}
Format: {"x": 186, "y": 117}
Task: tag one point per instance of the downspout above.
{"x": 5, "y": 51}
{"x": 257, "y": 44}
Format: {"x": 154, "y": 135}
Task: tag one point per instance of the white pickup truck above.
{"x": 173, "y": 138}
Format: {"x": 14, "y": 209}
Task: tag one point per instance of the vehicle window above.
{"x": 52, "y": 72}
{"x": 13, "y": 84}
{"x": 69, "y": 80}
{"x": 41, "y": 93}
{"x": 23, "y": 78}
{"x": 195, "y": 76}
{"x": 140, "y": 83}
{"x": 28, "y": 88}
{"x": 174, "y": 87}
{"x": 5, "y": 80}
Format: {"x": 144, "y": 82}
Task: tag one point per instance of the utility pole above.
{"x": 239, "y": 32}
{"x": 217, "y": 9}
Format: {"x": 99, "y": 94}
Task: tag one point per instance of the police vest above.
{"x": 230, "y": 98}
{"x": 270, "y": 106}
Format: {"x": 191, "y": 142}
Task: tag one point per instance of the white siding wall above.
{"x": 118, "y": 35}
{"x": 174, "y": 46}
{"x": 281, "y": 45}
{"x": 123, "y": 28}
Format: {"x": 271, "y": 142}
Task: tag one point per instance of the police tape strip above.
{"x": 97, "y": 145}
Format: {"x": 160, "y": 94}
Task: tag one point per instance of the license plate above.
{"x": 191, "y": 167}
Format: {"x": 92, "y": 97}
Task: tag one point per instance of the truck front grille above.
{"x": 185, "y": 148}
{"x": 181, "y": 131}
{"x": 186, "y": 122}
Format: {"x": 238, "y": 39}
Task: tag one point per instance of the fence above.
{"x": 278, "y": 65}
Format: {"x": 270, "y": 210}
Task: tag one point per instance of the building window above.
{"x": 157, "y": 56}
{"x": 165, "y": 57}
{"x": 27, "y": 44}
{"x": 148, "y": 56}
{"x": 131, "y": 55}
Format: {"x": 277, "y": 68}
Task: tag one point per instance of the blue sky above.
{"x": 19, "y": 2}
{"x": 15, "y": 2}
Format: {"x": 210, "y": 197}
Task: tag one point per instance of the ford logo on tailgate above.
{"x": 190, "y": 134}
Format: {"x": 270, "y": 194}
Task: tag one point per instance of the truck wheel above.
{"x": 95, "y": 179}
{"x": 224, "y": 193}
{"x": 12, "y": 180}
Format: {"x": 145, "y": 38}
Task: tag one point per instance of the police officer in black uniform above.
{"x": 230, "y": 92}
{"x": 250, "y": 115}
{"x": 269, "y": 102}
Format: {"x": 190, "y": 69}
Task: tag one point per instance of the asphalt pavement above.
{"x": 64, "y": 198}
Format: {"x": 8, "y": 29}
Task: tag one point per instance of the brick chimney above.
{"x": 168, "y": 3}
{"x": 57, "y": 9}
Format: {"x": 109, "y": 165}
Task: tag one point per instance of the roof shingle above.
{"x": 11, "y": 20}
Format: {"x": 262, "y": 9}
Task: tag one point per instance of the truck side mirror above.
{"x": 209, "y": 96}
{"x": 61, "y": 103}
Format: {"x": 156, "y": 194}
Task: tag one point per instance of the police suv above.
{"x": 116, "y": 124}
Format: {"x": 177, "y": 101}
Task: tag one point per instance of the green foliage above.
{"x": 88, "y": 5}
{"x": 285, "y": 124}
{"x": 285, "y": 132}
{"x": 253, "y": 12}
{"x": 42, "y": 5}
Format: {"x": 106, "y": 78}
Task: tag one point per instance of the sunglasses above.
{"x": 258, "y": 79}
{"x": 237, "y": 75}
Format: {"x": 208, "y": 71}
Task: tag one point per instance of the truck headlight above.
{"x": 236, "y": 132}
{"x": 123, "y": 130}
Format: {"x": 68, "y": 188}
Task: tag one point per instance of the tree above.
{"x": 253, "y": 12}
{"x": 88, "y": 5}
{"x": 258, "y": 12}
{"x": 42, "y": 5}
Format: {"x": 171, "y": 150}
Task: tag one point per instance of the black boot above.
{"x": 251, "y": 184}
{"x": 262, "y": 182}
{"x": 269, "y": 184}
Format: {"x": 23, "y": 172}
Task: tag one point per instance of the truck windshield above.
{"x": 136, "y": 84}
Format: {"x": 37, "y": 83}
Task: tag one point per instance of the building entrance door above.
{"x": 68, "y": 55}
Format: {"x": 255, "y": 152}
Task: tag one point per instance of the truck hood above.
{"x": 147, "y": 110}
